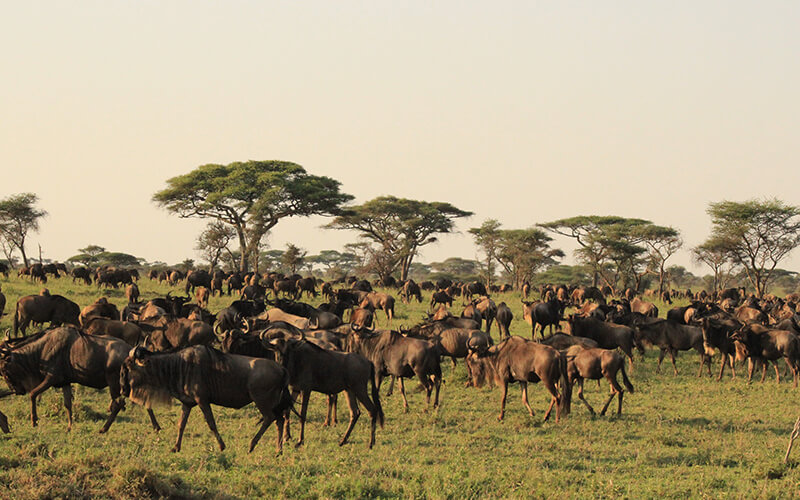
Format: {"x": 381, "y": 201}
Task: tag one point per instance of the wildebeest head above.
{"x": 14, "y": 373}
{"x": 138, "y": 381}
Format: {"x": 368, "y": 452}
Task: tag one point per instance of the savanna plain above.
{"x": 678, "y": 437}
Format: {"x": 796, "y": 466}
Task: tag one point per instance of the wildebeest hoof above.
{"x": 174, "y": 449}
{"x": 298, "y": 444}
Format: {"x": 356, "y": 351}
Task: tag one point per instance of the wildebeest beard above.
{"x": 482, "y": 369}
{"x": 150, "y": 393}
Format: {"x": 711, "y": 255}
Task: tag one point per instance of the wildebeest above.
{"x": 132, "y": 293}
{"x": 607, "y": 335}
{"x": 100, "y": 308}
{"x": 166, "y": 333}
{"x": 393, "y": 354}
{"x": 670, "y": 337}
{"x": 765, "y": 344}
{"x": 312, "y": 368}
{"x": 130, "y": 332}
{"x": 43, "y": 308}
{"x": 308, "y": 285}
{"x": 717, "y": 335}
{"x": 643, "y": 307}
{"x": 196, "y": 278}
{"x": 81, "y": 273}
{"x": 382, "y": 301}
{"x": 595, "y": 364}
{"x": 562, "y": 341}
{"x": 441, "y": 297}
{"x": 60, "y": 357}
{"x": 504, "y": 318}
{"x": 542, "y": 314}
{"x": 202, "y": 376}
{"x": 201, "y": 295}
{"x": 518, "y": 360}
{"x": 410, "y": 289}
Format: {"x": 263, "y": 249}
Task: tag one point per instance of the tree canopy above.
{"x": 18, "y": 217}
{"x": 398, "y": 227}
{"x": 252, "y": 197}
{"x": 755, "y": 234}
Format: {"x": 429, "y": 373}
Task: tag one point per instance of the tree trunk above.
{"x": 243, "y": 250}
{"x": 24, "y": 256}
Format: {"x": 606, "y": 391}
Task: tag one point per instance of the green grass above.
{"x": 679, "y": 437}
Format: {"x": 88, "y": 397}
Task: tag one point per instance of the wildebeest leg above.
{"x": 750, "y": 368}
{"x": 615, "y": 389}
{"x": 153, "y": 420}
{"x": 362, "y": 395}
{"x": 391, "y": 385}
{"x": 403, "y": 393}
{"x": 608, "y": 401}
{"x": 661, "y": 354}
{"x": 4, "y": 423}
{"x": 185, "y": 410}
{"x": 303, "y": 412}
{"x": 524, "y": 388}
{"x": 580, "y": 396}
{"x": 332, "y": 400}
{"x": 764, "y": 364}
{"x": 503, "y": 401}
{"x": 67, "y": 391}
{"x": 287, "y": 434}
{"x": 553, "y": 402}
{"x": 352, "y": 402}
{"x": 34, "y": 394}
{"x": 723, "y": 362}
{"x": 672, "y": 357}
{"x": 206, "y": 408}
{"x": 777, "y": 373}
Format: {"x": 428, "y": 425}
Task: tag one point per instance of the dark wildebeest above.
{"x": 130, "y": 332}
{"x": 82, "y": 273}
{"x": 562, "y": 341}
{"x": 195, "y": 278}
{"x": 474, "y": 288}
{"x": 308, "y": 285}
{"x": 410, "y": 289}
{"x": 287, "y": 287}
{"x": 2, "y": 302}
{"x": 670, "y": 337}
{"x": 393, "y": 354}
{"x": 362, "y": 318}
{"x": 717, "y": 335}
{"x": 764, "y": 344}
{"x": 202, "y": 376}
{"x": 472, "y": 313}
{"x": 607, "y": 335}
{"x": 685, "y": 314}
{"x": 60, "y": 357}
{"x": 441, "y": 297}
{"x": 312, "y": 368}
{"x": 234, "y": 282}
{"x": 317, "y": 319}
{"x": 518, "y": 360}
{"x": 164, "y": 334}
{"x": 40, "y": 309}
{"x": 504, "y": 318}
{"x": 132, "y": 293}
{"x": 101, "y": 308}
{"x": 596, "y": 364}
{"x": 542, "y": 314}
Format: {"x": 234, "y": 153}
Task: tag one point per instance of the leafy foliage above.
{"x": 18, "y": 217}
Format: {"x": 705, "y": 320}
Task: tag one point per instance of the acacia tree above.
{"x": 18, "y": 217}
{"x": 398, "y": 227}
{"x": 213, "y": 241}
{"x": 486, "y": 237}
{"x": 251, "y": 197}
{"x": 661, "y": 243}
{"x": 714, "y": 253}
{"x": 757, "y": 234}
{"x": 294, "y": 257}
{"x": 524, "y": 252}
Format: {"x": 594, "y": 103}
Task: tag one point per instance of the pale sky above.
{"x": 521, "y": 111}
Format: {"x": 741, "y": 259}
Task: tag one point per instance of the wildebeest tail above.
{"x": 16, "y": 319}
{"x": 566, "y": 387}
{"x": 376, "y": 396}
{"x": 285, "y": 402}
{"x": 625, "y": 379}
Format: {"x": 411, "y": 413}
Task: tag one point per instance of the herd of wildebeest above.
{"x": 268, "y": 347}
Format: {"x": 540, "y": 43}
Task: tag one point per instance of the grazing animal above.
{"x": 132, "y": 293}
{"x": 765, "y": 345}
{"x": 562, "y": 341}
{"x": 504, "y": 317}
{"x": 382, "y": 301}
{"x": 202, "y": 376}
{"x": 441, "y": 297}
{"x": 607, "y": 335}
{"x": 43, "y": 308}
{"x": 393, "y": 354}
{"x": 542, "y": 314}
{"x": 670, "y": 337}
{"x": 60, "y": 357}
{"x": 596, "y": 364}
{"x": 100, "y": 308}
{"x": 312, "y": 368}
{"x": 165, "y": 334}
{"x": 717, "y": 335}
{"x": 130, "y": 332}
{"x": 201, "y": 295}
{"x": 518, "y": 360}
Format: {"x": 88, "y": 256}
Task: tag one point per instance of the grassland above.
{"x": 678, "y": 437}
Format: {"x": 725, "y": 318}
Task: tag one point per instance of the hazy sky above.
{"x": 520, "y": 111}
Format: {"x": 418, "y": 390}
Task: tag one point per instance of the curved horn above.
{"x": 169, "y": 294}
{"x": 246, "y": 328}
{"x": 315, "y": 326}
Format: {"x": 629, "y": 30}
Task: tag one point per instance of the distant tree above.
{"x": 398, "y": 227}
{"x": 251, "y": 197}
{"x": 419, "y": 271}
{"x": 186, "y": 265}
{"x": 89, "y": 256}
{"x": 524, "y": 252}
{"x": 271, "y": 260}
{"x": 118, "y": 259}
{"x": 563, "y": 274}
{"x": 757, "y": 234}
{"x": 457, "y": 268}
{"x": 214, "y": 241}
{"x": 661, "y": 244}
{"x": 293, "y": 258}
{"x": 486, "y": 238}
{"x": 714, "y": 253}
{"x": 335, "y": 264}
{"x": 18, "y": 217}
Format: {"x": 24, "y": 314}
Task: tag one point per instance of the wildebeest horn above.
{"x": 246, "y": 328}
{"x": 169, "y": 294}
